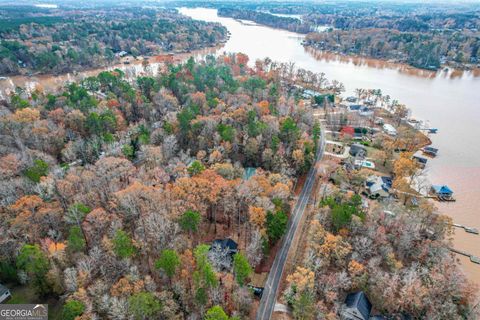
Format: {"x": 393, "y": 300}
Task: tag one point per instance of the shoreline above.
{"x": 451, "y": 72}
{"x": 51, "y": 82}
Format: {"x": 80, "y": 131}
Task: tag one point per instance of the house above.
{"x": 354, "y": 108}
{"x": 221, "y": 254}
{"x": 378, "y": 187}
{"x": 366, "y": 112}
{"x": 422, "y": 162}
{"x": 389, "y": 129}
{"x": 4, "y": 293}
{"x": 358, "y": 150}
{"x": 351, "y": 99}
{"x": 430, "y": 151}
{"x": 347, "y": 130}
{"x": 226, "y": 244}
{"x": 379, "y": 121}
{"x": 442, "y": 191}
{"x": 356, "y": 307}
{"x": 121, "y": 54}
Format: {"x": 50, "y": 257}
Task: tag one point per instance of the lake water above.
{"x": 450, "y": 101}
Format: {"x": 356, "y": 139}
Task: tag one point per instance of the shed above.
{"x": 356, "y": 307}
{"x": 4, "y": 293}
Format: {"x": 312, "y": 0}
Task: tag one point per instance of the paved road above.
{"x": 269, "y": 296}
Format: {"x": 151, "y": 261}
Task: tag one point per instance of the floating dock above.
{"x": 467, "y": 229}
{"x": 473, "y": 258}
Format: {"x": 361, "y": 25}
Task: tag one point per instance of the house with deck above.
{"x": 378, "y": 187}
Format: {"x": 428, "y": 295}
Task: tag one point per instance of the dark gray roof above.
{"x": 3, "y": 289}
{"x": 359, "y": 301}
{"x": 358, "y": 149}
{"x": 226, "y": 244}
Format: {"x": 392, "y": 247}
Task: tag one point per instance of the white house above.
{"x": 389, "y": 129}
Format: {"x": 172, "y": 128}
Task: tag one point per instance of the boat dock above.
{"x": 473, "y": 258}
{"x": 467, "y": 229}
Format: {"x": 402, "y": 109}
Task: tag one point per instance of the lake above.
{"x": 450, "y": 101}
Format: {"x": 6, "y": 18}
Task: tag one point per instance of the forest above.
{"x": 112, "y": 192}
{"x": 428, "y": 50}
{"x": 60, "y": 41}
{"x": 287, "y": 23}
{"x": 426, "y": 36}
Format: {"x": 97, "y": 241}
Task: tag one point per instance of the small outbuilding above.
{"x": 4, "y": 293}
{"x": 356, "y": 307}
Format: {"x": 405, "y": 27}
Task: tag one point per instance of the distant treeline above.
{"x": 287, "y": 23}
{"x": 63, "y": 41}
{"x": 428, "y": 50}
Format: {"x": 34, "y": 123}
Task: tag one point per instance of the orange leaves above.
{"x": 113, "y": 104}
{"x": 404, "y": 166}
{"x": 53, "y": 247}
{"x": 26, "y": 115}
{"x": 257, "y": 216}
{"x": 303, "y": 279}
{"x": 263, "y": 107}
{"x": 242, "y": 59}
{"x": 355, "y": 268}
{"x": 327, "y": 245}
{"x": 199, "y": 99}
{"x": 280, "y": 191}
{"x": 27, "y": 203}
{"x": 126, "y": 287}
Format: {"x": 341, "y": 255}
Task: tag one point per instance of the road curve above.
{"x": 269, "y": 297}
